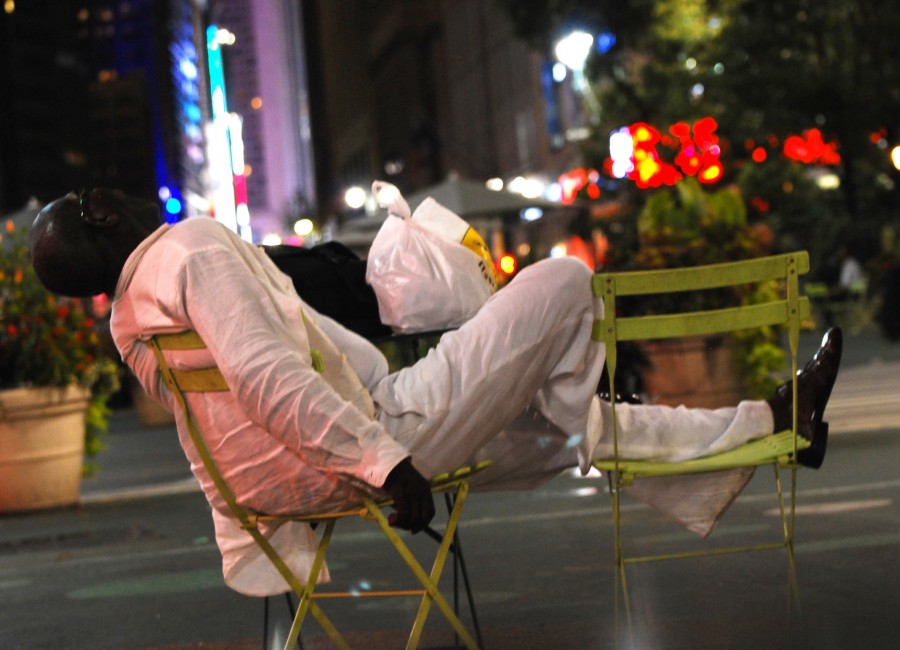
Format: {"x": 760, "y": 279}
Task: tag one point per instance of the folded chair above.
{"x": 778, "y": 450}
{"x": 183, "y": 382}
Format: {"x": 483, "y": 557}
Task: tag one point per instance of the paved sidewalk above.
{"x": 138, "y": 461}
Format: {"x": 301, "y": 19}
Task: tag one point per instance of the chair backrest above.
{"x": 200, "y": 380}
{"x": 786, "y": 308}
{"x": 181, "y": 382}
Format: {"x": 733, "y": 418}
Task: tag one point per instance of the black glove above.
{"x": 411, "y": 493}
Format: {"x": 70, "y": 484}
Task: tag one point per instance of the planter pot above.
{"x": 149, "y": 412}
{"x": 695, "y": 372}
{"x": 41, "y": 447}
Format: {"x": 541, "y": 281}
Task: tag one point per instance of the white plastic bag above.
{"x": 423, "y": 266}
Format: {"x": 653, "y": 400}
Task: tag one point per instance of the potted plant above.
{"x": 55, "y": 380}
{"x": 686, "y": 225}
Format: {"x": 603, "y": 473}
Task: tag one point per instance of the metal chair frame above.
{"x": 778, "y": 450}
{"x": 181, "y": 382}
{"x": 459, "y": 572}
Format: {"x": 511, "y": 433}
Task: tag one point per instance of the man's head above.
{"x": 79, "y": 243}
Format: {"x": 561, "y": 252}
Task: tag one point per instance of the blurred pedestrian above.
{"x": 851, "y": 278}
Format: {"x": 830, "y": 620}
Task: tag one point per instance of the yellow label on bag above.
{"x": 474, "y": 242}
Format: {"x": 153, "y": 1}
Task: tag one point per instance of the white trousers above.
{"x": 517, "y": 384}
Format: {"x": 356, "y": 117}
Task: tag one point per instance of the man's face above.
{"x": 103, "y": 208}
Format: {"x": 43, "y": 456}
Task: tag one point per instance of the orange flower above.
{"x": 46, "y": 340}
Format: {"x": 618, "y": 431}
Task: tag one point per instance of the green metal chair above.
{"x": 778, "y": 450}
{"x": 183, "y": 382}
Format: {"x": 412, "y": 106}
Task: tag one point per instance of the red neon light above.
{"x": 698, "y": 153}
{"x": 577, "y": 179}
{"x": 508, "y": 264}
{"x": 810, "y": 148}
{"x": 240, "y": 190}
{"x": 571, "y": 182}
{"x": 648, "y": 170}
{"x": 711, "y": 173}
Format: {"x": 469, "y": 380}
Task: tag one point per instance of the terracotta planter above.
{"x": 696, "y": 372}
{"x": 149, "y": 412}
{"x": 41, "y": 447}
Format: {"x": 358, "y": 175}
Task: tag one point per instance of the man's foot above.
{"x": 814, "y": 385}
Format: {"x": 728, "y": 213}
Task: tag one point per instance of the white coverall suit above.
{"x": 516, "y": 384}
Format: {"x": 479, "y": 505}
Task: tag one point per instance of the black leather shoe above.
{"x": 823, "y": 371}
{"x": 814, "y": 455}
{"x": 814, "y": 385}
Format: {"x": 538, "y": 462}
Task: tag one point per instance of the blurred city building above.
{"x": 145, "y": 100}
{"x": 417, "y": 92}
{"x": 264, "y": 112}
{"x": 118, "y": 94}
{"x": 42, "y": 103}
{"x": 100, "y": 93}
{"x": 264, "y": 73}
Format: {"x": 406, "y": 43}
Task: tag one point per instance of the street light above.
{"x": 355, "y": 197}
{"x": 225, "y": 37}
{"x": 304, "y": 227}
{"x": 572, "y": 50}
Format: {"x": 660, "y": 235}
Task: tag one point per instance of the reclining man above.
{"x": 517, "y": 383}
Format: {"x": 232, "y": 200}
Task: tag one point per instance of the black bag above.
{"x": 332, "y": 280}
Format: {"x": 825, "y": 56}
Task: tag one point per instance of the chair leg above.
{"x": 788, "y": 520}
{"x": 432, "y": 594}
{"x": 621, "y": 582}
{"x": 307, "y": 603}
{"x": 459, "y": 567}
{"x": 291, "y": 611}
{"x": 448, "y": 542}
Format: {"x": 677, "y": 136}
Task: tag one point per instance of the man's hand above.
{"x": 412, "y": 497}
